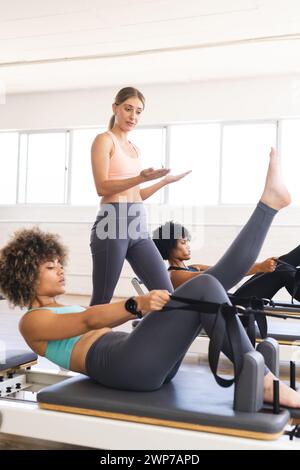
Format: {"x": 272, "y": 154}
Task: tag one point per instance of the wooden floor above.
{"x": 11, "y": 442}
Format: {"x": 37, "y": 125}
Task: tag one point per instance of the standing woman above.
{"x": 120, "y": 231}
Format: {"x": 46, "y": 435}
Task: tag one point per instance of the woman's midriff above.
{"x": 130, "y": 195}
{"x": 80, "y": 350}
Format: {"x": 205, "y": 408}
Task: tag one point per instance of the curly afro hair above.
{"x": 165, "y": 237}
{"x": 20, "y": 260}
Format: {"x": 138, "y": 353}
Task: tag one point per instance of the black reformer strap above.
{"x": 225, "y": 323}
{"x": 254, "y": 307}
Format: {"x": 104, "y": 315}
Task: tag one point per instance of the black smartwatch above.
{"x": 131, "y": 307}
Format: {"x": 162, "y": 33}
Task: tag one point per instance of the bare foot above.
{"x": 275, "y": 193}
{"x": 287, "y": 396}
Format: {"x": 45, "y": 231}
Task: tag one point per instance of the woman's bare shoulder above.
{"x": 103, "y": 142}
{"x": 30, "y": 319}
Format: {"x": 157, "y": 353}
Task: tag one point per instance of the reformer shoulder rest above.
{"x": 14, "y": 358}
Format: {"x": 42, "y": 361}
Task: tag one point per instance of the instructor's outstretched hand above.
{"x": 173, "y": 178}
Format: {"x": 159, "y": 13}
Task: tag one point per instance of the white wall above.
{"x": 263, "y": 98}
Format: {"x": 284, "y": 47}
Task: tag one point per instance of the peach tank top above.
{"x": 121, "y": 164}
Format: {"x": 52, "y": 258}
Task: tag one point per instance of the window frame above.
{"x": 27, "y": 133}
{"x": 69, "y": 133}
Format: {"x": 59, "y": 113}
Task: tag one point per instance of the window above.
{"x": 197, "y": 148}
{"x": 9, "y": 167}
{"x": 83, "y": 190}
{"x": 46, "y": 160}
{"x": 245, "y": 152}
{"x": 151, "y": 143}
{"x": 228, "y": 163}
{"x": 290, "y": 156}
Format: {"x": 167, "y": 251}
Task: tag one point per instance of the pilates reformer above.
{"x": 191, "y": 412}
{"x": 284, "y": 332}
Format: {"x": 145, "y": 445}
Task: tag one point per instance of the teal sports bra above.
{"x": 59, "y": 351}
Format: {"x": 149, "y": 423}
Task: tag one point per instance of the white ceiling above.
{"x": 67, "y": 44}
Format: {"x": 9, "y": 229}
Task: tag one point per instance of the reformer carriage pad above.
{"x": 192, "y": 400}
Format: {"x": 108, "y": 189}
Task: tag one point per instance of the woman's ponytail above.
{"x": 111, "y": 122}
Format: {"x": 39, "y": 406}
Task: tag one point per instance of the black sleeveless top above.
{"x": 189, "y": 268}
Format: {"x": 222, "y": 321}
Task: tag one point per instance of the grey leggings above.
{"x": 126, "y": 227}
{"x": 151, "y": 354}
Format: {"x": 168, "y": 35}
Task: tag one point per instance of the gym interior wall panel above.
{"x": 280, "y": 240}
{"x": 214, "y": 241}
{"x": 248, "y": 98}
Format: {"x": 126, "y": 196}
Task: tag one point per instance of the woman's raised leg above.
{"x": 244, "y": 250}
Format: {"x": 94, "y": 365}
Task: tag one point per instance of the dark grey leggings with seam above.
{"x": 119, "y": 233}
{"x": 150, "y": 355}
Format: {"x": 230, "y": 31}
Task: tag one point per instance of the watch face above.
{"x": 131, "y": 305}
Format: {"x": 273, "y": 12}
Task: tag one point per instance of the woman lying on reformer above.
{"x": 268, "y": 277}
{"x": 81, "y": 339}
